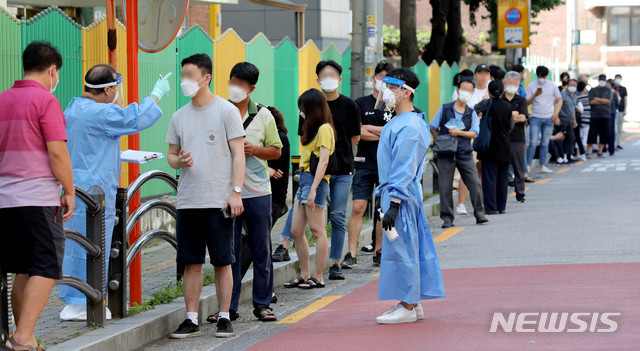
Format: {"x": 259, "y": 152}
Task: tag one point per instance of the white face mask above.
{"x": 237, "y": 94}
{"x": 572, "y": 89}
{"x": 390, "y": 99}
{"x": 379, "y": 85}
{"x": 541, "y": 81}
{"x": 189, "y": 87}
{"x": 618, "y": 81}
{"x": 511, "y": 89}
{"x": 464, "y": 96}
{"x": 329, "y": 84}
{"x": 602, "y": 83}
{"x": 51, "y": 80}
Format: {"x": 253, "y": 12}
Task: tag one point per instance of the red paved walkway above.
{"x": 462, "y": 320}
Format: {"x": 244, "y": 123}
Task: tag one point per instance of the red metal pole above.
{"x": 135, "y": 269}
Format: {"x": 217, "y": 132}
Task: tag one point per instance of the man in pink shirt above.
{"x": 34, "y": 168}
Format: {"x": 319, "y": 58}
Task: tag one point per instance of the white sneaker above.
{"x": 419, "y": 311}
{"x": 461, "y": 210}
{"x": 77, "y": 313}
{"x": 565, "y": 160}
{"x": 397, "y": 314}
{"x": 560, "y": 160}
{"x": 544, "y": 169}
{"x": 583, "y": 157}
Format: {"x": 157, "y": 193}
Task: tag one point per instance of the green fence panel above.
{"x": 446, "y": 83}
{"x": 286, "y": 76}
{"x": 421, "y": 99}
{"x": 346, "y": 72}
{"x": 150, "y": 66}
{"x": 10, "y": 50}
{"x": 193, "y": 41}
{"x": 61, "y": 31}
{"x": 332, "y": 53}
{"x": 261, "y": 53}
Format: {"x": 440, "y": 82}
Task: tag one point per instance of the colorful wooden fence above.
{"x": 285, "y": 70}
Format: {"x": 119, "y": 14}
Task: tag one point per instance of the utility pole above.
{"x": 575, "y": 38}
{"x": 366, "y": 44}
{"x": 357, "y": 49}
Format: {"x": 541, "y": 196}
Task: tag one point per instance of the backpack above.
{"x": 483, "y": 140}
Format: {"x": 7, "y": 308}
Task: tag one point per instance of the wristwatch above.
{"x": 237, "y": 189}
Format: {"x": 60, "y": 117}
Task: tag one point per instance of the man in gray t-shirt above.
{"x": 599, "y": 129}
{"x": 206, "y": 141}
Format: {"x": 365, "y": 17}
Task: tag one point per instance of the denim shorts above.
{"x": 322, "y": 193}
{"x": 364, "y": 183}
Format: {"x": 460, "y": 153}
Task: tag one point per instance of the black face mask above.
{"x": 581, "y": 86}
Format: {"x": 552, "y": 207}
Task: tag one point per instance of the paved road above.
{"x": 573, "y": 247}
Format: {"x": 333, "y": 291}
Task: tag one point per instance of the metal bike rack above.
{"x": 94, "y": 243}
{"x": 121, "y": 254}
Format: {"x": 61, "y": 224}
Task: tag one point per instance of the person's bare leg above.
{"x": 224, "y": 286}
{"x": 319, "y": 231}
{"x": 479, "y": 168}
{"x": 355, "y": 224}
{"x": 34, "y": 297}
{"x": 408, "y": 306}
{"x": 589, "y": 148}
{"x": 298, "y": 224}
{"x": 193, "y": 286}
{"x": 462, "y": 192}
{"x": 17, "y": 292}
{"x": 285, "y": 243}
{"x": 601, "y": 149}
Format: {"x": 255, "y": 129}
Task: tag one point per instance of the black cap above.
{"x": 602, "y": 77}
{"x": 482, "y": 67}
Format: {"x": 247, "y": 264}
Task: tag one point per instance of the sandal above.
{"x": 16, "y": 346}
{"x": 528, "y": 179}
{"x": 265, "y": 314}
{"x": 233, "y": 315}
{"x": 294, "y": 283}
{"x": 312, "y": 283}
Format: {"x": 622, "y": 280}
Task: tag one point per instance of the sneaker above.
{"x": 186, "y": 330}
{"x": 419, "y": 311}
{"x": 349, "y": 262}
{"x": 224, "y": 329}
{"x": 565, "y": 160}
{"x": 376, "y": 258}
{"x": 367, "y": 249}
{"x": 544, "y": 169}
{"x": 335, "y": 273}
{"x": 78, "y": 313}
{"x": 560, "y": 160}
{"x": 583, "y": 157}
{"x": 618, "y": 147}
{"x": 398, "y": 314}
{"x": 520, "y": 199}
{"x": 461, "y": 210}
{"x": 281, "y": 254}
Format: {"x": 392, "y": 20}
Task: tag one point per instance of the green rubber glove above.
{"x": 162, "y": 87}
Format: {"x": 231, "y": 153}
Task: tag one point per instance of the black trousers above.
{"x": 469, "y": 175}
{"x": 517, "y": 162}
{"x": 495, "y": 184}
{"x": 569, "y": 141}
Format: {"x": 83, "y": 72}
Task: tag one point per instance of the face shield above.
{"x": 387, "y": 99}
{"x": 117, "y": 84}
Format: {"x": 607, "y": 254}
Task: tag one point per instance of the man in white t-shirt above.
{"x": 206, "y": 141}
{"x": 545, "y": 100}
{"x": 481, "y": 78}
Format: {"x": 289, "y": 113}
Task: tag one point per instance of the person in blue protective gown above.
{"x": 409, "y": 269}
{"x": 94, "y": 125}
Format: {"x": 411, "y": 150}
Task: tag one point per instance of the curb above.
{"x": 135, "y": 332}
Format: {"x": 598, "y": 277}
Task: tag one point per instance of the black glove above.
{"x": 389, "y": 219}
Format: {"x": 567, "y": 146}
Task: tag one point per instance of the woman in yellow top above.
{"x": 318, "y": 136}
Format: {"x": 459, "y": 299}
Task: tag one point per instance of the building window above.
{"x": 624, "y": 25}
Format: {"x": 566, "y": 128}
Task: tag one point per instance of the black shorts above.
{"x": 364, "y": 183}
{"x": 201, "y": 229}
{"x": 599, "y": 127}
{"x": 32, "y": 241}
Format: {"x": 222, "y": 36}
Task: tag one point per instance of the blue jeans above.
{"x": 340, "y": 187}
{"x": 537, "y": 126}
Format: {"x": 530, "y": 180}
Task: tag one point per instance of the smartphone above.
{"x": 540, "y": 89}
{"x": 226, "y": 212}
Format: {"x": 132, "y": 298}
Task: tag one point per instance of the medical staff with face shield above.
{"x": 95, "y": 123}
{"x": 409, "y": 268}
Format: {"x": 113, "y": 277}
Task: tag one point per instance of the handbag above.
{"x": 332, "y": 167}
{"x": 445, "y": 144}
{"x": 481, "y": 144}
